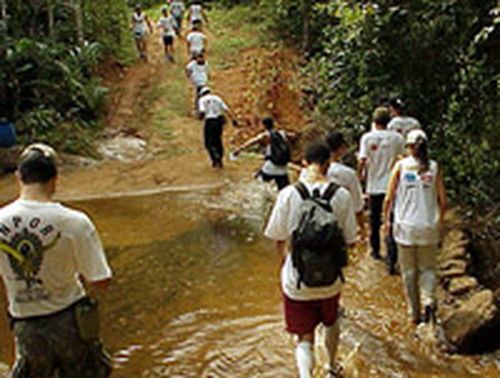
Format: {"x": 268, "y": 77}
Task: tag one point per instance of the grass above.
{"x": 235, "y": 30}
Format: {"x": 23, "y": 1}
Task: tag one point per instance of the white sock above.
{"x": 305, "y": 359}
{"x": 332, "y": 335}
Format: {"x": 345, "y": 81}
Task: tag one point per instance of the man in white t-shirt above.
{"x": 306, "y": 307}
{"x": 177, "y": 9}
{"x": 400, "y": 122}
{"x": 167, "y": 25}
{"x": 379, "y": 150}
{"x": 345, "y": 176}
{"x": 198, "y": 72}
{"x": 197, "y": 43}
{"x": 196, "y": 13}
{"x": 47, "y": 253}
{"x": 212, "y": 109}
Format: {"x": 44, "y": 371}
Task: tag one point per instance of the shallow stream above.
{"x": 196, "y": 294}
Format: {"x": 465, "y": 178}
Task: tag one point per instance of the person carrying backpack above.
{"x": 277, "y": 155}
{"x": 418, "y": 192}
{"x": 313, "y": 224}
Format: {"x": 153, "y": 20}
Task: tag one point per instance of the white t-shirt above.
{"x": 380, "y": 148}
{"x": 167, "y": 26}
{"x": 403, "y": 125}
{"x": 196, "y": 12}
{"x": 139, "y": 23}
{"x": 347, "y": 177}
{"x": 196, "y": 42}
{"x": 285, "y": 219}
{"x": 416, "y": 213}
{"x": 177, "y": 8}
{"x": 56, "y": 244}
{"x": 198, "y": 73}
{"x": 212, "y": 106}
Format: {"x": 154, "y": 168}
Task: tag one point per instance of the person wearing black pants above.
{"x": 213, "y": 139}
{"x": 379, "y": 150}
{"x": 376, "y": 206}
{"x": 212, "y": 109}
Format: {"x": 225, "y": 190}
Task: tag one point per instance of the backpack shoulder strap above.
{"x": 330, "y": 191}
{"x": 301, "y": 188}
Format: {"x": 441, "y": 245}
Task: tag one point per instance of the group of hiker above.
{"x": 314, "y": 223}
{"x": 170, "y": 25}
{"x": 52, "y": 255}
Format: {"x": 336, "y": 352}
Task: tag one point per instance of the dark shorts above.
{"x": 51, "y": 346}
{"x": 168, "y": 40}
{"x": 302, "y": 317}
{"x": 282, "y": 181}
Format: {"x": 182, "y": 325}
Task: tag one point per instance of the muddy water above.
{"x": 196, "y": 295}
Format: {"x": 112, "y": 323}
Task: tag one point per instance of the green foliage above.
{"x": 49, "y": 52}
{"x": 235, "y": 30}
{"x": 441, "y": 57}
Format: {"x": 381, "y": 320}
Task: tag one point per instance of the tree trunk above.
{"x": 76, "y": 7}
{"x": 306, "y": 24}
{"x": 50, "y": 17}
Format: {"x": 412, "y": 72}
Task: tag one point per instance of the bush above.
{"x": 48, "y": 59}
{"x": 440, "y": 56}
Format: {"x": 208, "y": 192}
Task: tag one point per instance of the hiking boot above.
{"x": 430, "y": 314}
{"x": 392, "y": 270}
{"x": 376, "y": 255}
{"x": 335, "y": 372}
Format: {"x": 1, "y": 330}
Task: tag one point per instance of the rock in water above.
{"x": 462, "y": 285}
{"x": 463, "y": 325}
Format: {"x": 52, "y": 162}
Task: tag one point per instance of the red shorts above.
{"x": 302, "y": 317}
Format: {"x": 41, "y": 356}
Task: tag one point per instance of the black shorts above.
{"x": 168, "y": 40}
{"x": 282, "y": 181}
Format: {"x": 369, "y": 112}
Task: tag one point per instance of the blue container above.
{"x": 7, "y": 134}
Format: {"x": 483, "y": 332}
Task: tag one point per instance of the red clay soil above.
{"x": 262, "y": 83}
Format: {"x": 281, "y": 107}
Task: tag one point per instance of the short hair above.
{"x": 382, "y": 116}
{"x": 397, "y": 103}
{"x": 335, "y": 140}
{"x": 37, "y": 165}
{"x": 268, "y": 123}
{"x": 317, "y": 153}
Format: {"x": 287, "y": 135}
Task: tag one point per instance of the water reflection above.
{"x": 196, "y": 295}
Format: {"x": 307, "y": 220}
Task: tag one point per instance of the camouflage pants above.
{"x": 51, "y": 347}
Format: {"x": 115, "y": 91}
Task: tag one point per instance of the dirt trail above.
{"x": 153, "y": 101}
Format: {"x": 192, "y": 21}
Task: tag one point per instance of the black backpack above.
{"x": 280, "y": 149}
{"x": 319, "y": 251}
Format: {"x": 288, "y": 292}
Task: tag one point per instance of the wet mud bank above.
{"x": 469, "y": 293}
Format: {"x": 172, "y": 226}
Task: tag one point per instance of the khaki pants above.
{"x": 418, "y": 268}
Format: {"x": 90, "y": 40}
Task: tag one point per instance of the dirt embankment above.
{"x": 151, "y": 102}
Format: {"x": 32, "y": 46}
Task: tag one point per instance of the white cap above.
{"x": 204, "y": 91}
{"x": 42, "y": 148}
{"x": 414, "y": 135}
